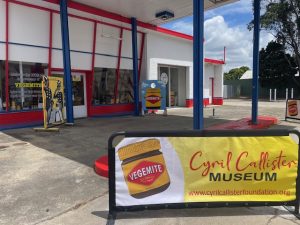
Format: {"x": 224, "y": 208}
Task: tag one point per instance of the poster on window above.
{"x": 164, "y": 170}
{"x": 153, "y": 95}
{"x": 53, "y": 100}
{"x": 293, "y": 109}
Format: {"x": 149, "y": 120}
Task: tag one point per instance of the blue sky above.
{"x": 226, "y": 26}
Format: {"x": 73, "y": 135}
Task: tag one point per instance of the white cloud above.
{"x": 238, "y": 41}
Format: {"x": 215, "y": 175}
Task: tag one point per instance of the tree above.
{"x": 276, "y": 67}
{"x": 282, "y": 19}
{"x": 236, "y": 73}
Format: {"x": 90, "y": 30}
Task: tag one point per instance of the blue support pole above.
{"x": 198, "y": 63}
{"x": 66, "y": 59}
{"x": 135, "y": 67}
{"x": 255, "y": 61}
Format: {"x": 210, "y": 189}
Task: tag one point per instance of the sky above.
{"x": 226, "y": 26}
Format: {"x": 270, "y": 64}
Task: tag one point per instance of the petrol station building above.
{"x": 106, "y": 73}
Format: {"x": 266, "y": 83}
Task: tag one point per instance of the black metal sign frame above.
{"x": 114, "y": 209}
{"x": 286, "y": 110}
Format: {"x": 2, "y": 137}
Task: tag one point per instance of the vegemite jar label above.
{"x": 153, "y": 98}
{"x": 144, "y": 168}
{"x": 292, "y": 108}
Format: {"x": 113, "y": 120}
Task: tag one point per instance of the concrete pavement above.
{"x": 48, "y": 178}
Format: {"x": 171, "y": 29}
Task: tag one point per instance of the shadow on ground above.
{"x": 87, "y": 139}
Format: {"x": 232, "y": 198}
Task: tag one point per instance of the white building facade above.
{"x": 101, "y": 62}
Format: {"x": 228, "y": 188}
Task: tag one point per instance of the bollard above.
{"x": 270, "y": 95}
{"x": 275, "y": 94}
{"x": 286, "y": 94}
{"x": 292, "y": 93}
{"x": 213, "y": 111}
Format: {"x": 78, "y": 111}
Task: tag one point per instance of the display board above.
{"x": 153, "y": 95}
{"x": 53, "y": 100}
{"x": 293, "y": 109}
{"x": 214, "y": 168}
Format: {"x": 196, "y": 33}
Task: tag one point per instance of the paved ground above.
{"x": 48, "y": 178}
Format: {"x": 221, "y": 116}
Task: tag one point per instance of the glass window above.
{"x": 25, "y": 90}
{"x": 2, "y": 86}
{"x": 125, "y": 87}
{"x": 104, "y": 86}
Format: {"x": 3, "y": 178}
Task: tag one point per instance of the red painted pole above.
{"x": 94, "y": 47}
{"x": 118, "y": 65}
{"x": 141, "y": 54}
{"x": 6, "y": 56}
{"x": 224, "y": 55}
{"x": 50, "y": 44}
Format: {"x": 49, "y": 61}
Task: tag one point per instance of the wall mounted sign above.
{"x": 153, "y": 95}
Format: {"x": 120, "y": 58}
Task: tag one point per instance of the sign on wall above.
{"x": 165, "y": 170}
{"x": 153, "y": 95}
{"x": 293, "y": 109}
{"x": 53, "y": 100}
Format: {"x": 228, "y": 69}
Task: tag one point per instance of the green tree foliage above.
{"x": 282, "y": 19}
{"x": 236, "y": 73}
{"x": 277, "y": 68}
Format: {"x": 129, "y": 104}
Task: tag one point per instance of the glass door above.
{"x": 164, "y": 75}
{"x": 79, "y": 95}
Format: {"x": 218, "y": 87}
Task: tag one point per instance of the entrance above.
{"x": 175, "y": 78}
{"x": 78, "y": 94}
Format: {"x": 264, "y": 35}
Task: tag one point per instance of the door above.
{"x": 164, "y": 75}
{"x": 78, "y": 94}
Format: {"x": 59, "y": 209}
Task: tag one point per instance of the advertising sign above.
{"x": 165, "y": 170}
{"x": 53, "y": 100}
{"x": 293, "y": 109}
{"x": 153, "y": 95}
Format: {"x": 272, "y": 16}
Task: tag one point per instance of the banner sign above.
{"x": 167, "y": 169}
{"x": 153, "y": 95}
{"x": 293, "y": 109}
{"x": 53, "y": 100}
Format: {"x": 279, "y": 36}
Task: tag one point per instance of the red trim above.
{"x": 217, "y": 101}
{"x": 111, "y": 109}
{"x": 189, "y": 103}
{"x": 6, "y": 55}
{"x": 141, "y": 55}
{"x": 94, "y": 46}
{"x": 19, "y": 118}
{"x": 118, "y": 64}
{"x": 50, "y": 43}
{"x": 214, "y": 61}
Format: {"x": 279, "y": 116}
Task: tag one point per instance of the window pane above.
{"x": 125, "y": 87}
{"x": 2, "y": 86}
{"x": 25, "y": 91}
{"x": 104, "y": 86}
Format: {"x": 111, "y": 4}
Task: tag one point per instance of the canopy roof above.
{"x": 146, "y": 10}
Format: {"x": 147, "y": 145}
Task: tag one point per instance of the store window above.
{"x": 2, "y": 86}
{"x": 25, "y": 90}
{"x": 104, "y": 86}
{"x": 125, "y": 87}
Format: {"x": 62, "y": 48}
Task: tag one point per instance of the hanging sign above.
{"x": 153, "y": 95}
{"x": 293, "y": 109}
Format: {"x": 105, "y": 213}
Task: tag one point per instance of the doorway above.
{"x": 78, "y": 94}
{"x": 175, "y": 79}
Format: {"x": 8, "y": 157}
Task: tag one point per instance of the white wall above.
{"x": 28, "y": 26}
{"x": 219, "y": 80}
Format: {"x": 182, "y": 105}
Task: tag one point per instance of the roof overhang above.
{"x": 144, "y": 11}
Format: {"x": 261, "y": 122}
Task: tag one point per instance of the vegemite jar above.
{"x": 144, "y": 168}
{"x": 292, "y": 108}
